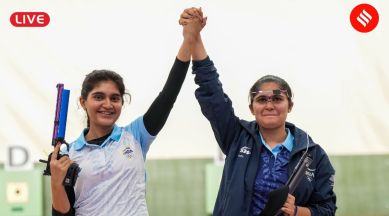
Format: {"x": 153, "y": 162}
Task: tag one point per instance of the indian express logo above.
{"x": 364, "y": 18}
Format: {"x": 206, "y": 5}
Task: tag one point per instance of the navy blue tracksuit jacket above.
{"x": 238, "y": 139}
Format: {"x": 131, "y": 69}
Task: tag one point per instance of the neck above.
{"x": 273, "y": 136}
{"x": 97, "y": 132}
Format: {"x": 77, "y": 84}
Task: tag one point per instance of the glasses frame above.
{"x": 270, "y": 95}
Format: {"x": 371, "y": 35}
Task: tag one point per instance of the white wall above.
{"x": 339, "y": 76}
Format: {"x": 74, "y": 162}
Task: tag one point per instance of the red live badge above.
{"x": 29, "y": 19}
{"x": 364, "y": 18}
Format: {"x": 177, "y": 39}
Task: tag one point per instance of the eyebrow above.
{"x": 102, "y": 93}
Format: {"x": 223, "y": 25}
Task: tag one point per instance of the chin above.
{"x": 270, "y": 125}
{"x": 106, "y": 123}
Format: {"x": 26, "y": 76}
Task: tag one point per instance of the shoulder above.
{"x": 135, "y": 124}
{"x": 251, "y": 126}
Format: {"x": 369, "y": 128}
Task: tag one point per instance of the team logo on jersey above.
{"x": 310, "y": 174}
{"x": 128, "y": 152}
{"x": 244, "y": 151}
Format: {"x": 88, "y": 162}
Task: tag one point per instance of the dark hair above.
{"x": 270, "y": 78}
{"x": 96, "y": 76}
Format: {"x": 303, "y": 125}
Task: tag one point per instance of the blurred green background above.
{"x": 189, "y": 186}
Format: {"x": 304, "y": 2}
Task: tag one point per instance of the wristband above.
{"x": 295, "y": 211}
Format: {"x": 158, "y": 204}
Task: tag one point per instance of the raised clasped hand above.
{"x": 193, "y": 22}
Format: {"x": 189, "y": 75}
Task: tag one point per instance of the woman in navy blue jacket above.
{"x": 260, "y": 154}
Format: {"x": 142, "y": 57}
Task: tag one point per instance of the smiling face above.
{"x": 103, "y": 105}
{"x": 270, "y": 107}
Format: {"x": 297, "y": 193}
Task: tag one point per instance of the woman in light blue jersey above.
{"x": 111, "y": 158}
